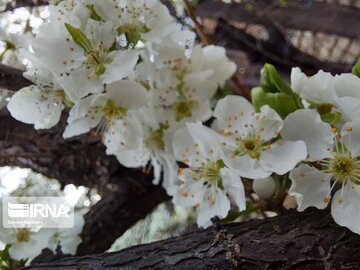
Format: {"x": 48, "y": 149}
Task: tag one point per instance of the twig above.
{"x": 207, "y": 41}
{"x": 198, "y": 27}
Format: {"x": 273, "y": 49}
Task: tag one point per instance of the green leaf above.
{"x": 331, "y": 118}
{"x": 271, "y": 80}
{"x": 282, "y": 103}
{"x": 356, "y": 69}
{"x": 79, "y": 37}
{"x": 93, "y": 14}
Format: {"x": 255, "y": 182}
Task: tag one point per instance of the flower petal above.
{"x": 122, "y": 66}
{"x": 234, "y": 187}
{"x": 349, "y": 107}
{"x": 128, "y": 94}
{"x": 345, "y": 207}
{"x": 350, "y": 137}
{"x": 310, "y": 187}
{"x": 306, "y": 125}
{"x": 283, "y": 156}
{"x": 347, "y": 84}
{"x": 196, "y": 143}
{"x": 246, "y": 166}
{"x": 233, "y": 113}
{"x": 31, "y": 105}
{"x": 124, "y": 140}
{"x": 219, "y": 206}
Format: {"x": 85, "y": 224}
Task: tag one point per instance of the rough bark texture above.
{"x": 314, "y": 16}
{"x": 308, "y": 240}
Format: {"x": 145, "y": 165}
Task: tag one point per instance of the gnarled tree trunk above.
{"x": 293, "y": 241}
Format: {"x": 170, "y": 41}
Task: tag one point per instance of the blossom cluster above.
{"x": 128, "y": 72}
{"x": 330, "y": 128}
{"x": 28, "y": 243}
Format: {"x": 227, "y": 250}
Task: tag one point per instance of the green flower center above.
{"x": 249, "y": 146}
{"x": 111, "y": 111}
{"x": 343, "y": 166}
{"x": 132, "y": 33}
{"x": 209, "y": 173}
{"x": 183, "y": 109}
{"x": 154, "y": 141}
{"x": 97, "y": 59}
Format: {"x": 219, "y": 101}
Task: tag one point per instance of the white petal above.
{"x": 124, "y": 140}
{"x": 319, "y": 87}
{"x": 233, "y": 106}
{"x": 306, "y": 125}
{"x": 78, "y": 84}
{"x": 345, "y": 209}
{"x": 128, "y": 94}
{"x": 234, "y": 187}
{"x": 196, "y": 143}
{"x": 350, "y": 137}
{"x": 170, "y": 168}
{"x": 347, "y": 84}
{"x": 283, "y": 156}
{"x": 122, "y": 66}
{"x": 269, "y": 123}
{"x": 100, "y": 33}
{"x": 297, "y": 79}
{"x": 190, "y": 193}
{"x": 219, "y": 206}
{"x": 247, "y": 167}
{"x": 349, "y": 107}
{"x": 31, "y": 105}
{"x": 310, "y": 187}
{"x": 83, "y": 116}
{"x": 215, "y": 59}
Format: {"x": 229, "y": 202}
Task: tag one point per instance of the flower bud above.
{"x": 264, "y": 187}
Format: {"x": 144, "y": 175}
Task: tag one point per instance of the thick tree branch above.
{"x": 307, "y": 240}
{"x": 276, "y": 50}
{"x": 314, "y": 16}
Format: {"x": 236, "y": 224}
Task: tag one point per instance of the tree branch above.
{"x": 276, "y": 50}
{"x": 307, "y": 240}
{"x": 297, "y": 14}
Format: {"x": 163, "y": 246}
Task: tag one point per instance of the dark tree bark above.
{"x": 314, "y": 16}
{"x": 293, "y": 241}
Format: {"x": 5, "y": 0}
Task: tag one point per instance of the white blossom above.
{"x": 103, "y": 110}
{"x": 206, "y": 183}
{"x": 250, "y": 140}
{"x": 336, "y": 155}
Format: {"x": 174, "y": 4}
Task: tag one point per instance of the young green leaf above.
{"x": 356, "y": 69}
{"x": 282, "y": 103}
{"x": 79, "y": 37}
